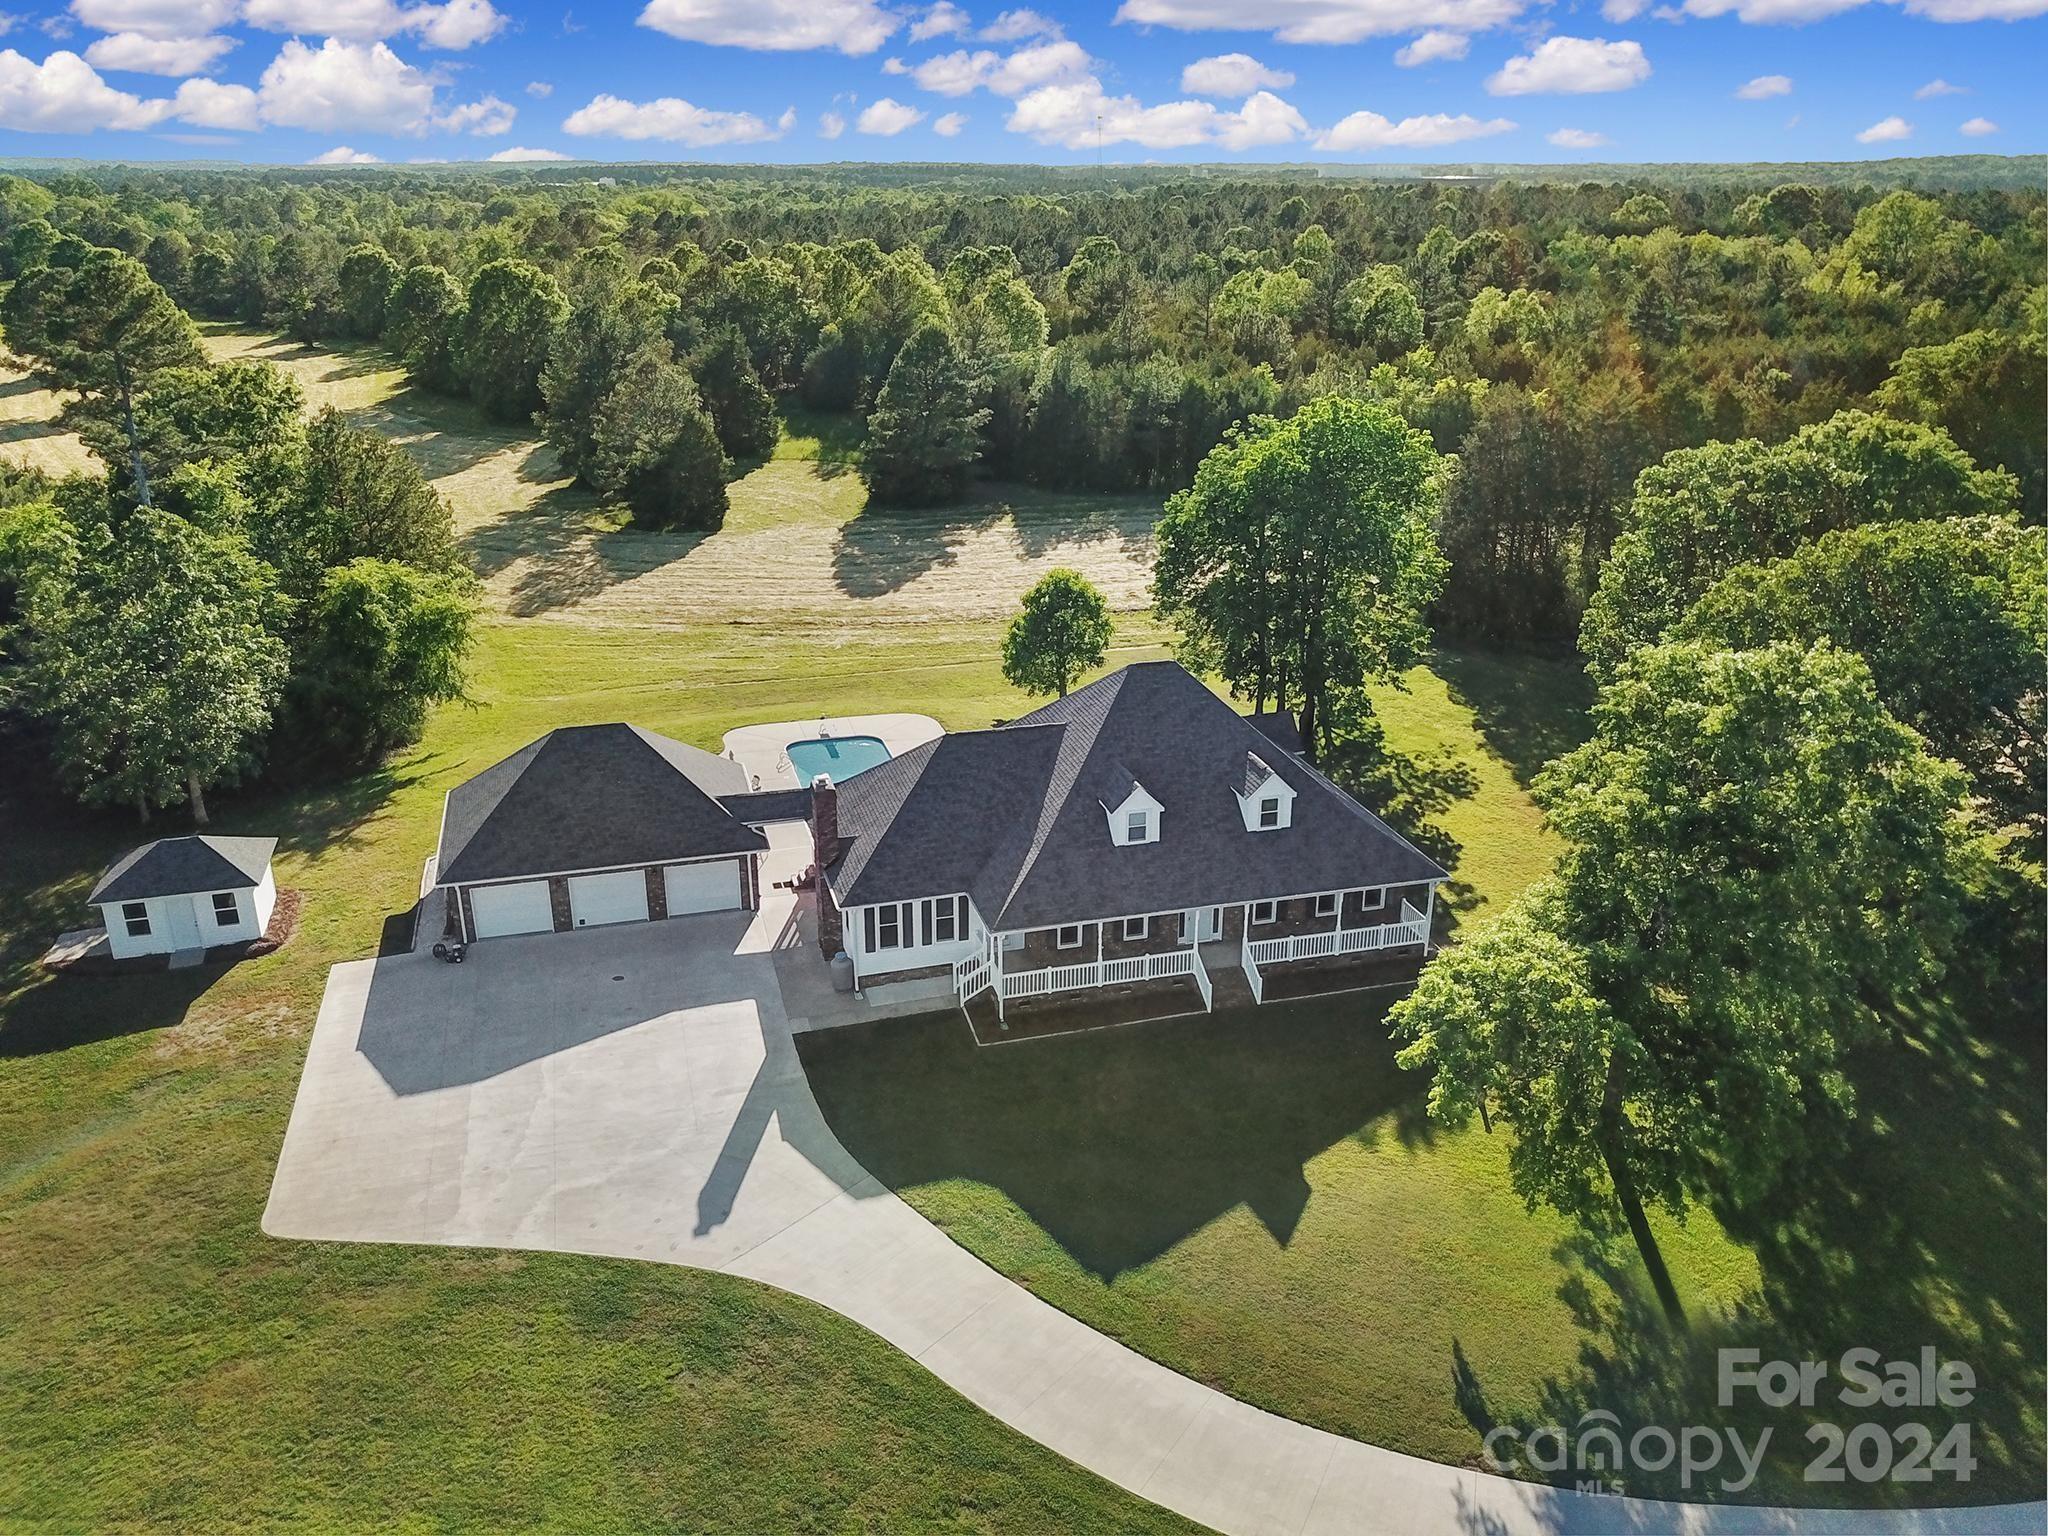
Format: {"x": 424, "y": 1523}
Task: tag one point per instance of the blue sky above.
{"x": 293, "y": 81}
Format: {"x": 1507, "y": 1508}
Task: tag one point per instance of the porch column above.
{"x": 1429, "y": 917}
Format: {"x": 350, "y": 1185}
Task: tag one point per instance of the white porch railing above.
{"x": 973, "y": 975}
{"x": 1412, "y": 929}
{"x": 1105, "y": 973}
{"x": 1251, "y": 970}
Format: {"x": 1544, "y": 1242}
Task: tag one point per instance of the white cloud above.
{"x": 949, "y": 125}
{"x": 487, "y": 116}
{"x": 1369, "y": 130}
{"x": 1578, "y": 138}
{"x": 209, "y": 104}
{"x": 886, "y": 118}
{"x": 344, "y": 85}
{"x": 1763, "y": 87}
{"x": 1939, "y": 87}
{"x": 144, "y": 55}
{"x": 520, "y": 155}
{"x": 668, "y": 117}
{"x": 1079, "y": 114}
{"x": 456, "y": 25}
{"x": 1322, "y": 21}
{"x": 850, "y": 26}
{"x": 1976, "y": 10}
{"x": 1233, "y": 75}
{"x": 831, "y": 125}
{"x": 961, "y": 72}
{"x": 1766, "y": 13}
{"x": 943, "y": 20}
{"x": 341, "y": 154}
{"x": 156, "y": 18}
{"x": 1618, "y": 11}
{"x": 1572, "y": 66}
{"x": 1431, "y": 46}
{"x": 1886, "y": 131}
{"x": 1015, "y": 26}
{"x": 1978, "y": 127}
{"x": 64, "y": 94}
{"x": 1263, "y": 119}
{"x": 540, "y": 89}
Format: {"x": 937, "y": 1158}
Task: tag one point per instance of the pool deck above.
{"x": 760, "y": 748}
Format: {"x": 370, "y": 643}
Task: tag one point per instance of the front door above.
{"x": 1208, "y": 924}
{"x": 181, "y": 923}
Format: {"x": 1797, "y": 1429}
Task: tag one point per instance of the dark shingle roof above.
{"x": 1013, "y": 816}
{"x": 186, "y": 866}
{"x": 591, "y": 797}
{"x": 1278, "y": 727}
{"x": 764, "y": 805}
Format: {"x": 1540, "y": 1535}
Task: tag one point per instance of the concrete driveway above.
{"x": 633, "y": 1091}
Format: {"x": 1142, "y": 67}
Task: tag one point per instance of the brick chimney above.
{"x": 824, "y": 849}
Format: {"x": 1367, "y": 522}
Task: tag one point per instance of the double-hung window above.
{"x": 1265, "y": 912}
{"x": 1326, "y": 904}
{"x": 135, "y": 918}
{"x": 1269, "y": 813}
{"x": 1068, "y": 937}
{"x": 226, "y": 911}
{"x": 1137, "y": 927}
{"x": 1138, "y": 828}
{"x": 1372, "y": 901}
{"x": 945, "y": 919}
{"x": 887, "y": 926}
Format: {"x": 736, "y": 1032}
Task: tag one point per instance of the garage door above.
{"x": 595, "y": 900}
{"x": 502, "y": 909}
{"x": 710, "y": 887}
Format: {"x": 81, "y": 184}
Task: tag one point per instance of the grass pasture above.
{"x": 1259, "y": 1202}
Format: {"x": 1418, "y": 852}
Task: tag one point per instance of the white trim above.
{"x": 1336, "y": 904}
{"x": 1060, "y": 932}
{"x": 596, "y": 869}
{"x": 1270, "y": 907}
{"x": 1144, "y": 928}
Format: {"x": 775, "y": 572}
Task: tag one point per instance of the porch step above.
{"x": 1230, "y": 989}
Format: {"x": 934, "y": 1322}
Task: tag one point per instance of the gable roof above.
{"x": 591, "y": 797}
{"x": 186, "y": 866}
{"x": 1012, "y": 815}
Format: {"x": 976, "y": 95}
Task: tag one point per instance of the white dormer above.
{"x": 1264, "y": 799}
{"x": 1133, "y": 814}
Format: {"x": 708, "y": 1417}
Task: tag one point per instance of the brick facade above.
{"x": 558, "y": 903}
{"x": 657, "y": 893}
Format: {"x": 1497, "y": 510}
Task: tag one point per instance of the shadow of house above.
{"x": 1118, "y": 1144}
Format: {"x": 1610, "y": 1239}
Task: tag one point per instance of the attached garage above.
{"x": 502, "y": 910}
{"x": 709, "y": 887}
{"x": 618, "y": 897}
{"x": 592, "y": 826}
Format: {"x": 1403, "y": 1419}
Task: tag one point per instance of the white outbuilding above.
{"x": 180, "y": 894}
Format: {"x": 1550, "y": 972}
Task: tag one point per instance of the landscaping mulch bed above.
{"x": 1078, "y": 1012}
{"x": 1313, "y": 978}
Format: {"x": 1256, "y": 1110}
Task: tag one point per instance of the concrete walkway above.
{"x": 635, "y": 1091}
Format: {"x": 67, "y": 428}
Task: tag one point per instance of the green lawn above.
{"x": 163, "y": 1365}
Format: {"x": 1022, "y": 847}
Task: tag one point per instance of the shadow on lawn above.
{"x": 1529, "y": 710}
{"x": 1121, "y": 1143}
{"x": 1924, "y": 1228}
{"x": 884, "y": 548}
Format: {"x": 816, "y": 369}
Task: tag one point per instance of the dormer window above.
{"x": 1265, "y": 800}
{"x": 1133, "y": 813}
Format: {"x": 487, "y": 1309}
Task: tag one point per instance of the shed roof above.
{"x": 186, "y": 866}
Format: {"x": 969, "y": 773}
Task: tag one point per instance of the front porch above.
{"x": 1087, "y": 975}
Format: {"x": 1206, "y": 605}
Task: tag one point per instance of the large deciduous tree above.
{"x": 1758, "y": 863}
{"x": 423, "y": 323}
{"x": 1702, "y": 511}
{"x": 158, "y": 667}
{"x": 366, "y": 276}
{"x": 924, "y": 432}
{"x": 1302, "y": 560}
{"x": 1062, "y": 632}
{"x": 507, "y": 327}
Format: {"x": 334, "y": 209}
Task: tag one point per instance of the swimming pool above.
{"x": 840, "y": 756}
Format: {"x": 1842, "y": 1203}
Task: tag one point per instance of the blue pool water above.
{"x": 840, "y": 756}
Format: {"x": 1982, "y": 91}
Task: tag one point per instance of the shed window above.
{"x": 1068, "y": 938}
{"x": 1265, "y": 912}
{"x": 1269, "y": 812}
{"x": 226, "y": 911}
{"x": 1326, "y": 904}
{"x": 1137, "y": 927}
{"x": 135, "y": 917}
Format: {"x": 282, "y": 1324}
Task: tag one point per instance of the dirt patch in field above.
{"x": 800, "y": 540}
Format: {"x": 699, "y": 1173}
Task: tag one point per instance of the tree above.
{"x": 423, "y": 321}
{"x": 367, "y": 277}
{"x": 245, "y": 414}
{"x": 1702, "y": 511}
{"x": 1984, "y": 389}
{"x": 1063, "y": 631}
{"x": 507, "y": 326}
{"x": 1757, "y": 867}
{"x": 1377, "y": 311}
{"x": 655, "y": 447}
{"x": 1301, "y": 561}
{"x": 157, "y": 668}
{"x": 924, "y": 432}
{"x": 389, "y": 640}
{"x": 740, "y": 408}
{"x": 1951, "y": 617}
{"x": 611, "y": 317}
{"x": 103, "y": 328}
{"x": 356, "y": 494}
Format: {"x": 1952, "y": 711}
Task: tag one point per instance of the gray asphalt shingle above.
{"x": 185, "y": 866}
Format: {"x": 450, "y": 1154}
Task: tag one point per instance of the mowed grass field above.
{"x": 1259, "y": 1202}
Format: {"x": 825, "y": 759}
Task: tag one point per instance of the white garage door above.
{"x": 616, "y": 898}
{"x": 702, "y": 887}
{"x": 503, "y": 909}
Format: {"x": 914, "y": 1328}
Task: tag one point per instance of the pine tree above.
{"x": 924, "y": 433}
